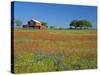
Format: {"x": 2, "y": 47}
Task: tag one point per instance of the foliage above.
{"x": 18, "y": 23}
{"x": 87, "y": 24}
{"x": 73, "y": 23}
{"x": 45, "y": 24}
{"x": 80, "y": 23}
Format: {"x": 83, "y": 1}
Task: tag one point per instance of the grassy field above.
{"x": 54, "y": 50}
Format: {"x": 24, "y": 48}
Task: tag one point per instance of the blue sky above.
{"x": 58, "y": 15}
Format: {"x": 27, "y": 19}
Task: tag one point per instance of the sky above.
{"x": 57, "y": 15}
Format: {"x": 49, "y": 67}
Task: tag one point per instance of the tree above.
{"x": 80, "y": 24}
{"x": 73, "y": 24}
{"x": 18, "y": 23}
{"x": 87, "y": 24}
{"x": 45, "y": 24}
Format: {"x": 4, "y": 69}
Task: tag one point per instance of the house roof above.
{"x": 36, "y": 20}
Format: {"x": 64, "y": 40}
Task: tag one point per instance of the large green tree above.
{"x": 80, "y": 24}
{"x": 73, "y": 24}
{"x": 18, "y": 23}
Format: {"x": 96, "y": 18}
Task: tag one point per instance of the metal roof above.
{"x": 36, "y": 20}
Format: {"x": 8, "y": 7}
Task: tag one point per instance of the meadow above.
{"x": 54, "y": 50}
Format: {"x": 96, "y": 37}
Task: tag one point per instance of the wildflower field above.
{"x": 54, "y": 50}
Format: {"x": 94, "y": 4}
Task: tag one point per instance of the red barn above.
{"x": 35, "y": 24}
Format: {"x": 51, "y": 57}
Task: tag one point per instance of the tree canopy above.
{"x": 18, "y": 23}
{"x": 45, "y": 24}
{"x": 73, "y": 24}
{"x": 80, "y": 24}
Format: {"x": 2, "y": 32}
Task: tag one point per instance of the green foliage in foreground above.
{"x": 42, "y": 62}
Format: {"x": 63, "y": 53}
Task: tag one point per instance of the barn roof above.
{"x": 36, "y": 20}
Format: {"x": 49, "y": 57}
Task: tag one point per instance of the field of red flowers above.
{"x": 54, "y": 50}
